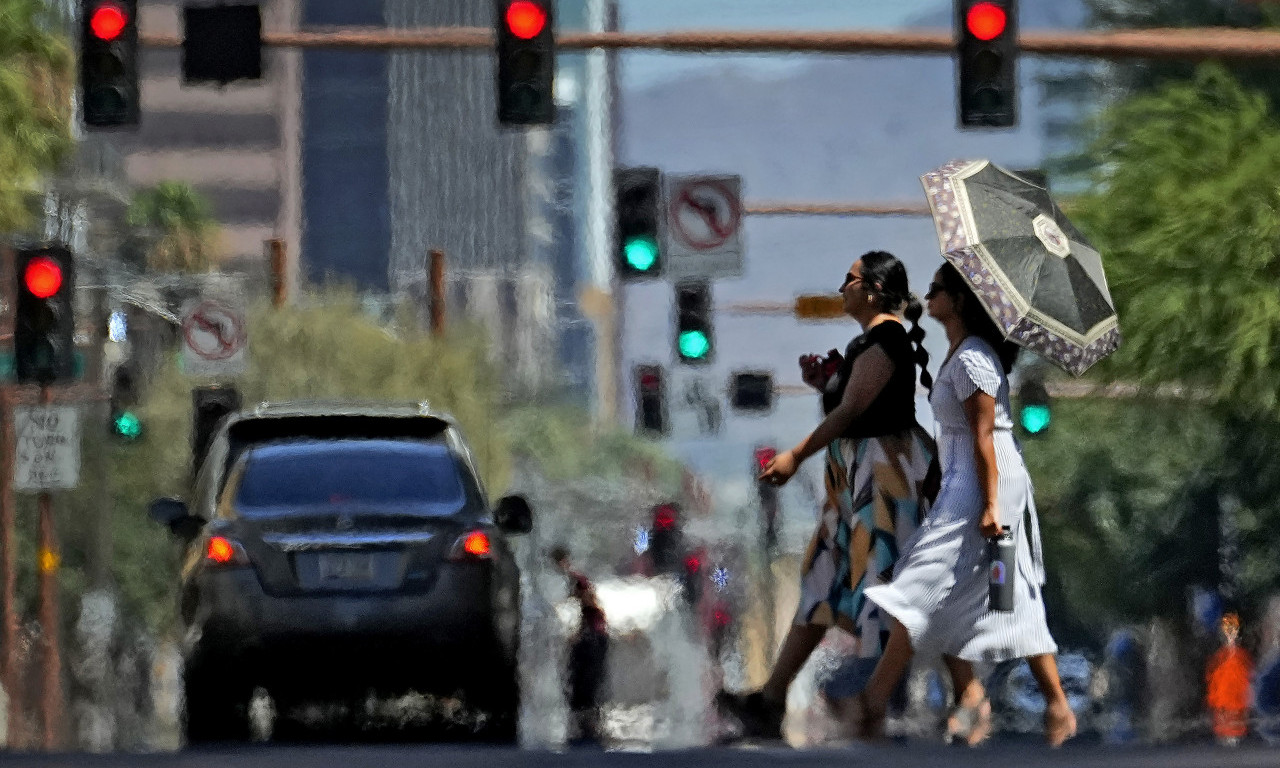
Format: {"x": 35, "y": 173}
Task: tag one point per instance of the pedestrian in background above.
{"x": 878, "y": 462}
{"x": 938, "y": 598}
{"x": 1227, "y": 681}
{"x": 588, "y": 654}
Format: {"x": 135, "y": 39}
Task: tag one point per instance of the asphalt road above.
{"x": 429, "y": 756}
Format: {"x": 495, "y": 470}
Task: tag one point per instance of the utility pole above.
{"x": 436, "y": 297}
{"x": 49, "y": 561}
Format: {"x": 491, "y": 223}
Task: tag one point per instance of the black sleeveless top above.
{"x": 894, "y": 409}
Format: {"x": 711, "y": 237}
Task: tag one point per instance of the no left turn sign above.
{"x": 703, "y": 226}
{"x": 213, "y": 338}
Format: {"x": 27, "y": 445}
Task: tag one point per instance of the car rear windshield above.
{"x": 397, "y": 475}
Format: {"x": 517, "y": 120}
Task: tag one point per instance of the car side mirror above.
{"x": 174, "y": 514}
{"x": 513, "y": 514}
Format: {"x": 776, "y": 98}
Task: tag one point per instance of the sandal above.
{"x": 969, "y": 725}
{"x": 760, "y": 718}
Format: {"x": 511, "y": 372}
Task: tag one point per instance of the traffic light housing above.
{"x": 526, "y": 62}
{"x": 109, "y": 63}
{"x": 751, "y": 391}
{"x": 767, "y": 494}
{"x": 1035, "y": 412}
{"x": 44, "y": 320}
{"x": 638, "y": 210}
{"x": 221, "y": 43}
{"x": 651, "y": 400}
{"x": 125, "y": 422}
{"x": 666, "y": 537}
{"x": 208, "y": 407}
{"x": 694, "y": 341}
{"x": 691, "y": 580}
{"x": 987, "y": 57}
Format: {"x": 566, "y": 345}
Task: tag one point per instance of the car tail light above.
{"x": 473, "y": 546}
{"x": 224, "y": 552}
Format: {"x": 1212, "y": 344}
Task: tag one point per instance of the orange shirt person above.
{"x": 1227, "y": 681}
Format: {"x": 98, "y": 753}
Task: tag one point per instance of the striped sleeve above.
{"x": 978, "y": 370}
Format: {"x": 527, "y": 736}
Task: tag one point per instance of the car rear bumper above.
{"x": 239, "y": 617}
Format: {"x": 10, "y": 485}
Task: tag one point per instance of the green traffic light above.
{"x": 127, "y": 425}
{"x": 694, "y": 345}
{"x": 1035, "y": 418}
{"x": 641, "y": 252}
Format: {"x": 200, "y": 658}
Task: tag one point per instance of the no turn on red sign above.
{"x": 214, "y": 338}
{"x": 703, "y": 226}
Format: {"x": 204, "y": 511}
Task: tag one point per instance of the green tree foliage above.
{"x": 35, "y": 105}
{"x": 1186, "y": 213}
{"x": 177, "y": 225}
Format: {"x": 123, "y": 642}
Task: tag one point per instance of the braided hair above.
{"x": 885, "y": 277}
{"x": 975, "y": 318}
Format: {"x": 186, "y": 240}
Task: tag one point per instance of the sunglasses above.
{"x": 934, "y": 290}
{"x": 849, "y": 277}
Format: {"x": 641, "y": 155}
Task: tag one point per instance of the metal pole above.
{"x": 279, "y": 278}
{"x": 8, "y": 559}
{"x": 100, "y": 549}
{"x": 51, "y": 673}
{"x": 437, "y": 292}
{"x": 1184, "y": 44}
{"x": 774, "y": 208}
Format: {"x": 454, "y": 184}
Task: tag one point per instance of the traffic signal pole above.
{"x": 1192, "y": 44}
{"x": 50, "y": 641}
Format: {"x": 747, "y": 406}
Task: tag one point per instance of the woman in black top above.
{"x": 881, "y": 476}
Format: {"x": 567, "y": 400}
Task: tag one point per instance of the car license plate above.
{"x": 345, "y": 566}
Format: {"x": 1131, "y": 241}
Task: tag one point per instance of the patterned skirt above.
{"x": 879, "y": 489}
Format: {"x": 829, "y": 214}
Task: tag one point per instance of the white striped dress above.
{"x": 939, "y": 587}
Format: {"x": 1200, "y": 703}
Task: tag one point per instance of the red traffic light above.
{"x": 107, "y": 21}
{"x": 693, "y": 564}
{"x": 664, "y": 517}
{"x": 526, "y": 19}
{"x": 42, "y": 277}
{"x": 986, "y": 21}
{"x": 764, "y": 455}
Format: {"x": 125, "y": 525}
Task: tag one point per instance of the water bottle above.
{"x": 1002, "y": 569}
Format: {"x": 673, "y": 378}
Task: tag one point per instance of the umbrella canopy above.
{"x": 1036, "y": 274}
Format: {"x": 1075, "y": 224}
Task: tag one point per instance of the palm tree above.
{"x": 36, "y": 83}
{"x": 178, "y": 226}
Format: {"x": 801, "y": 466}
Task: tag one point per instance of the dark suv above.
{"x": 337, "y": 549}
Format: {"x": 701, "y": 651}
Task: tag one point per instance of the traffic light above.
{"x": 694, "y": 344}
{"x": 751, "y": 391}
{"x": 638, "y": 209}
{"x": 692, "y": 578}
{"x": 125, "y": 422}
{"x": 44, "y": 322}
{"x": 767, "y": 494}
{"x": 526, "y": 62}
{"x": 651, "y": 400}
{"x": 221, "y": 43}
{"x": 987, "y": 32}
{"x": 209, "y": 405}
{"x": 665, "y": 537}
{"x": 1034, "y": 410}
{"x": 109, "y": 63}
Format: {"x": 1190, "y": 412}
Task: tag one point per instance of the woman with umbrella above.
{"x": 1016, "y": 270}
{"x": 939, "y": 593}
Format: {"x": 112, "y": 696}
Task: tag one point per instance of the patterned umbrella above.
{"x": 1037, "y": 276}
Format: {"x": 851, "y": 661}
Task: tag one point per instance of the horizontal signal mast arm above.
{"x": 1185, "y": 44}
